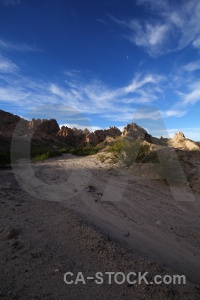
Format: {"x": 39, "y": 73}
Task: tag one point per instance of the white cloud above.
{"x": 193, "y": 96}
{"x": 76, "y": 98}
{"x": 91, "y": 98}
{"x": 78, "y": 126}
{"x": 7, "y": 66}
{"x": 21, "y": 47}
{"x": 173, "y": 113}
{"x": 196, "y": 43}
{"x": 170, "y": 27}
{"x": 10, "y": 2}
{"x": 193, "y": 66}
{"x": 149, "y": 36}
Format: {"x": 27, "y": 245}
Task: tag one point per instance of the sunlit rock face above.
{"x": 179, "y": 136}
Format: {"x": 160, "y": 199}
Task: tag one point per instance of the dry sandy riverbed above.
{"x": 76, "y": 214}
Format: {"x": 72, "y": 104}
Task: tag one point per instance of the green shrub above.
{"x": 38, "y": 152}
{"x": 85, "y": 151}
{"x": 133, "y": 151}
{"x": 41, "y": 157}
{"x": 54, "y": 153}
{"x": 101, "y": 158}
{"x": 46, "y": 155}
{"x": 65, "y": 150}
{"x": 116, "y": 147}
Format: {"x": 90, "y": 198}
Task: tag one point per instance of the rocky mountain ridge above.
{"x": 48, "y": 132}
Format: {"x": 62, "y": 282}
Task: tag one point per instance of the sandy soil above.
{"x": 73, "y": 214}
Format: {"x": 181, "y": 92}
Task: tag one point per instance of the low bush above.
{"x": 116, "y": 147}
{"x": 101, "y": 158}
{"x": 85, "y": 151}
{"x": 65, "y": 150}
{"x": 5, "y": 159}
{"x": 46, "y": 155}
{"x": 133, "y": 151}
{"x": 41, "y": 157}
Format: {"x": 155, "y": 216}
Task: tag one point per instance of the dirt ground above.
{"x": 75, "y": 214}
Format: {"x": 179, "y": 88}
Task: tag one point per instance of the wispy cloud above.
{"x": 152, "y": 37}
{"x": 10, "y": 2}
{"x": 170, "y": 26}
{"x": 7, "y": 66}
{"x": 196, "y": 43}
{"x": 89, "y": 97}
{"x": 104, "y": 22}
{"x": 21, "y": 47}
{"x": 193, "y": 66}
{"x": 193, "y": 95}
{"x": 173, "y": 113}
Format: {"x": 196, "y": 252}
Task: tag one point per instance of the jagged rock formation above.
{"x": 48, "y": 126}
{"x": 181, "y": 142}
{"x": 84, "y": 137}
{"x": 113, "y": 132}
{"x": 133, "y": 131}
{"x": 99, "y": 136}
{"x": 91, "y": 139}
{"x": 8, "y": 123}
{"x": 66, "y": 135}
{"x": 47, "y": 133}
{"x": 33, "y": 124}
{"x": 179, "y": 136}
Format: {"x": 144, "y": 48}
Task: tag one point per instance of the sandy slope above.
{"x": 140, "y": 214}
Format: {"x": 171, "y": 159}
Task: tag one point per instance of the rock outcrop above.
{"x": 179, "y": 136}
{"x": 181, "y": 142}
{"x": 99, "y": 136}
{"x": 113, "y": 132}
{"x": 48, "y": 127}
{"x": 66, "y": 135}
{"x": 34, "y": 123}
{"x": 91, "y": 139}
{"x": 133, "y": 131}
{"x": 8, "y": 123}
{"x": 47, "y": 133}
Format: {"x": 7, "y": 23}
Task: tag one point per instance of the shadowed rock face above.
{"x": 66, "y": 134}
{"x": 50, "y": 134}
{"x": 35, "y": 123}
{"x": 48, "y": 126}
{"x": 113, "y": 132}
{"x": 91, "y": 139}
{"x": 133, "y": 131}
{"x": 9, "y": 121}
{"x": 99, "y": 136}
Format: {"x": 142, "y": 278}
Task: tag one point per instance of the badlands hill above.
{"x": 91, "y": 214}
{"x": 48, "y": 133}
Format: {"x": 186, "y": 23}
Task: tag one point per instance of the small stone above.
{"x": 127, "y": 234}
{"x": 12, "y": 232}
{"x": 160, "y": 223}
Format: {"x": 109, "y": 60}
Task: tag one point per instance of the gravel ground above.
{"x": 41, "y": 240}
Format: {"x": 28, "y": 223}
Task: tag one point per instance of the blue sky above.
{"x": 103, "y": 63}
